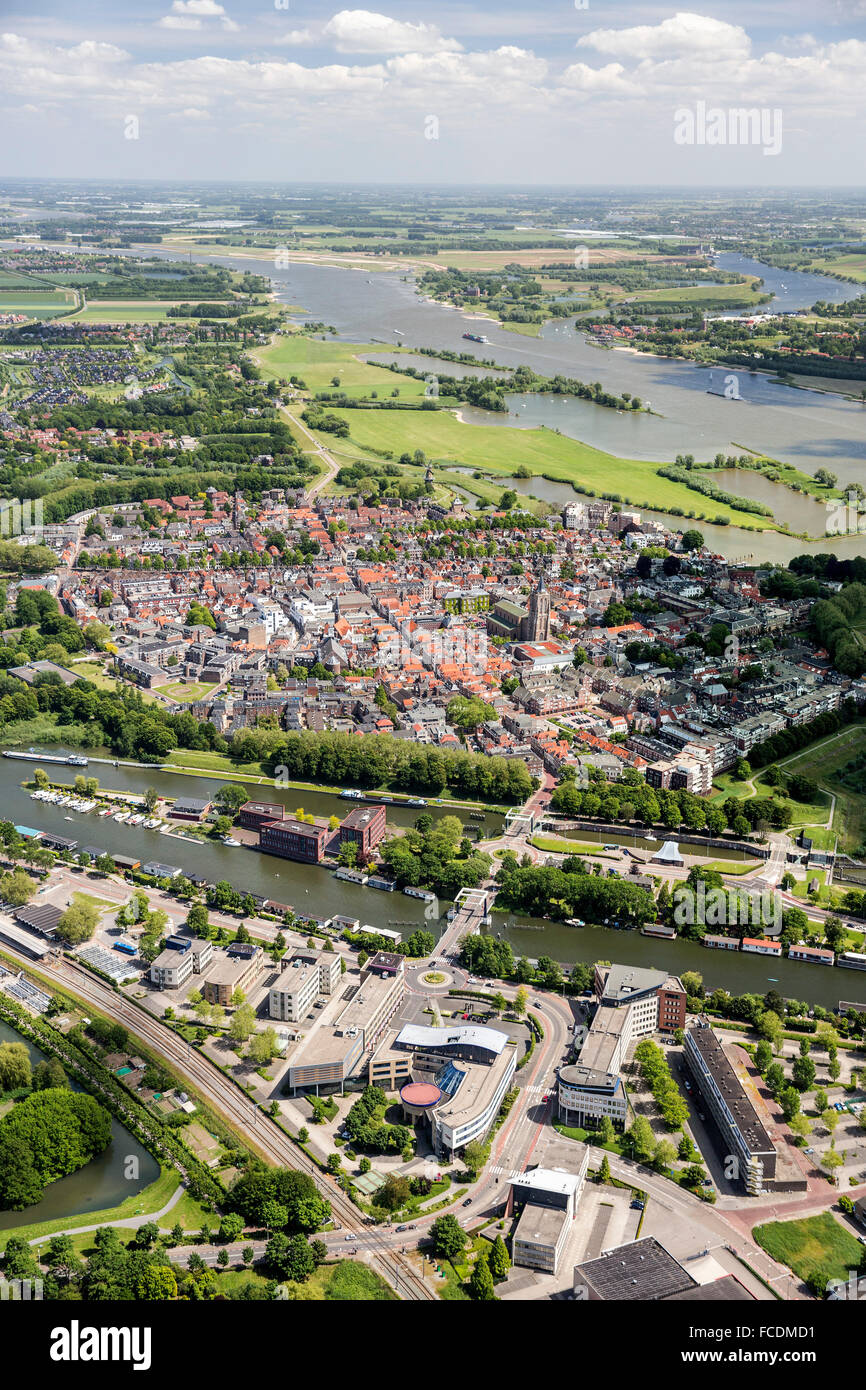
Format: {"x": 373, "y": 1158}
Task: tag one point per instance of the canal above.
{"x": 99, "y": 1185}
{"x": 317, "y": 891}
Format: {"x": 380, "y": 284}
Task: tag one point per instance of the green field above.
{"x": 187, "y": 691}
{"x": 499, "y": 450}
{"x": 317, "y": 362}
{"x": 817, "y": 1244}
{"x": 823, "y": 762}
{"x": 135, "y": 311}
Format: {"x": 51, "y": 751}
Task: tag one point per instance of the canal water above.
{"x": 317, "y": 891}
{"x": 99, "y": 1185}
{"x": 306, "y": 888}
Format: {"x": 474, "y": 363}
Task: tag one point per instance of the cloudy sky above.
{"x": 561, "y": 91}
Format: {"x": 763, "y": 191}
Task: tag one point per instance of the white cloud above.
{"x": 362, "y": 31}
{"x": 682, "y": 35}
{"x": 191, "y": 14}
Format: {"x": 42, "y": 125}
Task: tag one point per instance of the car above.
{"x": 636, "y": 1205}
{"x": 350, "y": 1237}
{"x": 701, "y": 1115}
{"x": 808, "y": 1151}
{"x": 401, "y": 1228}
{"x": 545, "y": 1096}
{"x": 688, "y": 1085}
{"x": 707, "y": 1182}
{"x": 468, "y": 1202}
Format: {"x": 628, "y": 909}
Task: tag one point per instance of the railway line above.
{"x": 242, "y": 1111}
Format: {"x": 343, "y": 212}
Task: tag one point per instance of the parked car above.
{"x": 636, "y": 1205}
{"x": 468, "y": 1202}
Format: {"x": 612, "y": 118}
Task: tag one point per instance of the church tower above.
{"x": 537, "y": 622}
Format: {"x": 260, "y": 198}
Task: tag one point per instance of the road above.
{"x": 331, "y": 464}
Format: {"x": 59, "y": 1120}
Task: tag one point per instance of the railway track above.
{"x": 243, "y": 1112}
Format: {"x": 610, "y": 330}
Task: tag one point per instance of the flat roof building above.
{"x": 232, "y": 973}
{"x": 741, "y": 1127}
{"x": 293, "y": 839}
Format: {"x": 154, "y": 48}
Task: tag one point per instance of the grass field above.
{"x": 130, "y": 311}
{"x": 823, "y": 762}
{"x": 187, "y": 691}
{"x": 498, "y": 450}
{"x": 317, "y": 362}
{"x": 817, "y": 1244}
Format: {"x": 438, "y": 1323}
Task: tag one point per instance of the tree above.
{"x": 78, "y": 923}
{"x": 770, "y": 1027}
{"x": 275, "y": 1215}
{"x": 800, "y": 1125}
{"x": 604, "y": 1170}
{"x": 223, "y": 1259}
{"x": 334, "y": 1163}
{"x": 242, "y": 1023}
{"x": 231, "y": 1226}
{"x": 475, "y": 1156}
{"x": 263, "y": 1047}
{"x": 789, "y": 1100}
{"x": 290, "y": 1257}
{"x": 500, "y": 1262}
{"x": 248, "y": 1254}
{"x": 521, "y": 999}
{"x": 803, "y": 1072}
{"x": 15, "y": 1070}
{"x": 448, "y": 1237}
{"x": 481, "y": 1280}
{"x": 641, "y": 1137}
{"x": 231, "y": 798}
{"x": 606, "y": 1131}
{"x": 393, "y": 1194}
{"x": 61, "y": 1258}
{"x": 763, "y": 1056}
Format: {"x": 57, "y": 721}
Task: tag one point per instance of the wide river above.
{"x": 99, "y": 1185}
{"x": 804, "y": 427}
{"x": 317, "y": 891}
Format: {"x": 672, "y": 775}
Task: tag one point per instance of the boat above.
{"x": 227, "y": 840}
{"x": 350, "y": 794}
{"x": 416, "y": 801}
{"x": 476, "y": 337}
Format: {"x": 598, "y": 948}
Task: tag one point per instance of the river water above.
{"x": 806, "y": 428}
{"x": 97, "y": 1186}
{"x": 317, "y": 891}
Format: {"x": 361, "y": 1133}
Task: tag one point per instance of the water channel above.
{"x": 99, "y": 1185}
{"x": 317, "y": 891}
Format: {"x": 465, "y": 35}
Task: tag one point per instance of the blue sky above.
{"x": 566, "y": 91}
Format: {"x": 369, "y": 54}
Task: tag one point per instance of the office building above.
{"x": 293, "y": 839}
{"x": 549, "y": 1197}
{"x": 743, "y": 1133}
{"x": 364, "y": 827}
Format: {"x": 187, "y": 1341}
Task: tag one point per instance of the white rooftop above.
{"x": 471, "y": 1035}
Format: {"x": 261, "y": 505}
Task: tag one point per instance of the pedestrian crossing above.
{"x": 498, "y": 1171}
